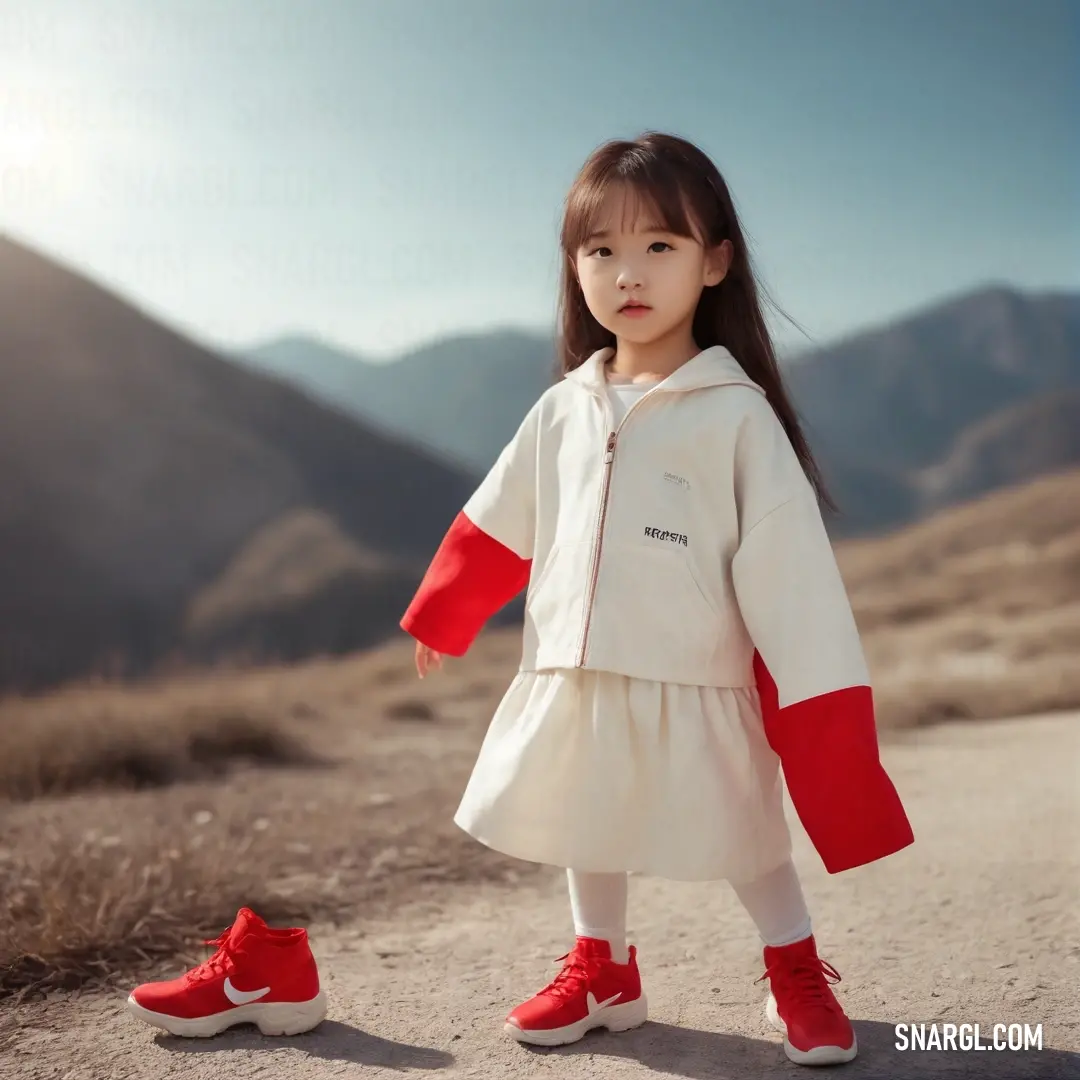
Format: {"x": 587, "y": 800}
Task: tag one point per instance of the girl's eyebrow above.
{"x": 605, "y": 234}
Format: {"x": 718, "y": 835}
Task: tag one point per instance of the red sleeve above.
{"x": 471, "y": 577}
{"x": 828, "y": 750}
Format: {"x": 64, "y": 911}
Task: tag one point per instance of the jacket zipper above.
{"x": 601, "y": 519}
{"x": 609, "y": 457}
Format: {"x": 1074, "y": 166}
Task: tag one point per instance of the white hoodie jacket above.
{"x": 683, "y": 545}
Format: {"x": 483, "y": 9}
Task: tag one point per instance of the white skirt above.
{"x": 602, "y": 772}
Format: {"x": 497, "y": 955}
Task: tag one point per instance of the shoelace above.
{"x": 566, "y": 982}
{"x": 805, "y": 976}
{"x": 214, "y": 963}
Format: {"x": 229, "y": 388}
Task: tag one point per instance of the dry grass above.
{"x": 80, "y": 748}
{"x": 976, "y": 612}
{"x": 110, "y": 878}
{"x": 94, "y": 909}
{"x": 81, "y": 902}
{"x": 976, "y": 665}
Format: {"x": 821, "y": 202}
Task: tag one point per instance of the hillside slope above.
{"x": 138, "y": 464}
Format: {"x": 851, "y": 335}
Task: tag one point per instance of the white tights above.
{"x": 774, "y": 901}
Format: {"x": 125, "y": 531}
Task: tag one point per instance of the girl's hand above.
{"x": 426, "y": 658}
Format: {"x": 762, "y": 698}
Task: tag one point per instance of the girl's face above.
{"x": 632, "y": 258}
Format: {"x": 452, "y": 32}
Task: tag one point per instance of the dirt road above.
{"x": 976, "y": 923}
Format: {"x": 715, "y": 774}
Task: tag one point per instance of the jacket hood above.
{"x": 714, "y": 366}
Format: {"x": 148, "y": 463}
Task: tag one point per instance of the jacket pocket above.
{"x": 696, "y": 578}
{"x": 651, "y": 614}
{"x": 537, "y": 583}
{"x": 555, "y": 603}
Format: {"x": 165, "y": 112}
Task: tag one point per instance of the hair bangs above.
{"x": 651, "y": 195}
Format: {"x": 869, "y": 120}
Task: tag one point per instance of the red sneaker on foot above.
{"x": 590, "y": 991}
{"x": 802, "y": 1005}
{"x": 257, "y": 976}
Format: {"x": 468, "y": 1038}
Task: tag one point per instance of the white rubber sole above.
{"x": 623, "y": 1017}
{"x": 820, "y": 1055}
{"x": 271, "y": 1018}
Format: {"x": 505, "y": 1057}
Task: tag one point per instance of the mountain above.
{"x": 1011, "y": 446}
{"x": 894, "y": 413}
{"x": 904, "y": 392}
{"x": 906, "y": 418}
{"x": 463, "y": 397}
{"x": 162, "y": 504}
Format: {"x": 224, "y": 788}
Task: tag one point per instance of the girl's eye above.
{"x": 662, "y": 243}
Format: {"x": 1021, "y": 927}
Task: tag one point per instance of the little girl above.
{"x": 687, "y": 633}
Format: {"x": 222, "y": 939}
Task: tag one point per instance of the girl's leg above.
{"x": 776, "y": 904}
{"x": 801, "y": 1003}
{"x": 595, "y": 988}
{"x": 598, "y": 903}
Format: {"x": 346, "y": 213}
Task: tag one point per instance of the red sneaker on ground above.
{"x": 802, "y": 1005}
{"x": 590, "y": 991}
{"x": 258, "y": 975}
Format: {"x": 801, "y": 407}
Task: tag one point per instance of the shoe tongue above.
{"x": 247, "y": 922}
{"x": 594, "y": 948}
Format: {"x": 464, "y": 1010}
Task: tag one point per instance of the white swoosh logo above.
{"x": 243, "y": 997}
{"x": 595, "y": 1006}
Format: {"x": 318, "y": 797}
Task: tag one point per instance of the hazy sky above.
{"x": 380, "y": 172}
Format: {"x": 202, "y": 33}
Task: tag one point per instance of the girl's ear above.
{"x": 718, "y": 262}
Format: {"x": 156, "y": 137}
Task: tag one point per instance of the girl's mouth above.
{"x": 635, "y": 310}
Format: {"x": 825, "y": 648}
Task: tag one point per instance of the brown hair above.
{"x": 683, "y": 188}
